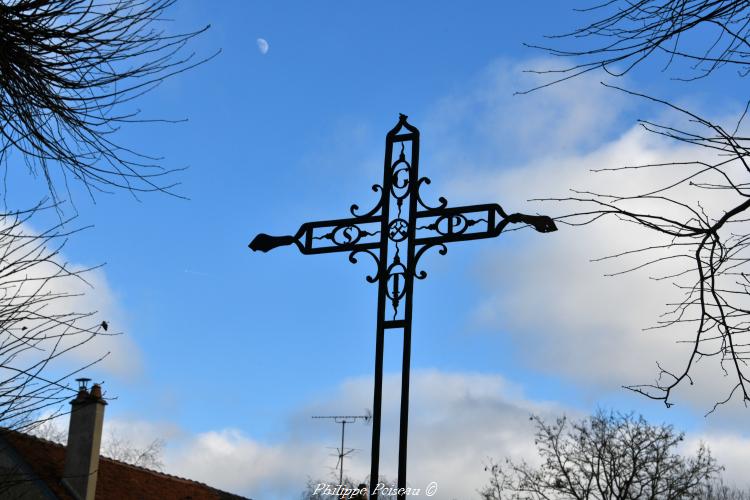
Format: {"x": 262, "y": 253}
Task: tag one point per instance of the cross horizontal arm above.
{"x": 336, "y": 235}
{"x": 472, "y": 222}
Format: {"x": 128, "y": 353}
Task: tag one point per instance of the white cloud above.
{"x": 94, "y": 295}
{"x": 457, "y": 421}
{"x": 556, "y": 121}
{"x": 139, "y": 432}
{"x": 566, "y": 317}
{"x": 232, "y": 461}
{"x": 579, "y": 322}
{"x": 124, "y": 360}
{"x": 730, "y": 450}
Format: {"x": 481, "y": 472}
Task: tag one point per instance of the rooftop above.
{"x": 116, "y": 479}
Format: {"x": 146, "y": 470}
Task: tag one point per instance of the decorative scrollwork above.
{"x": 420, "y": 275}
{"x": 345, "y": 235}
{"x": 443, "y": 201}
{"x": 353, "y": 260}
{"x": 353, "y": 209}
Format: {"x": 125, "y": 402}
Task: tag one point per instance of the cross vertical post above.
{"x": 400, "y": 178}
{"x": 396, "y": 233}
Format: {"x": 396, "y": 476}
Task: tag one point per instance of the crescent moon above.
{"x": 262, "y": 46}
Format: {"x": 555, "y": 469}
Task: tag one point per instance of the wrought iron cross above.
{"x": 396, "y": 233}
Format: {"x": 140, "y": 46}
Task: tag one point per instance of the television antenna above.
{"x": 342, "y": 452}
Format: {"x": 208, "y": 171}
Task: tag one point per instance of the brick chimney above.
{"x": 84, "y": 439}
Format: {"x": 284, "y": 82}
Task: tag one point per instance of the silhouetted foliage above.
{"x": 66, "y": 69}
{"x": 605, "y": 456}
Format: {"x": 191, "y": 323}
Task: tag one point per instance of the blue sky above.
{"x": 232, "y": 351}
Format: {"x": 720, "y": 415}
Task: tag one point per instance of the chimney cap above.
{"x": 96, "y": 393}
{"x": 83, "y": 383}
{"x": 85, "y": 395}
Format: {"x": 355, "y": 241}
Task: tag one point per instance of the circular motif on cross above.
{"x": 398, "y": 230}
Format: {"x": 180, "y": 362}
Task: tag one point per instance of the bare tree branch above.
{"x": 711, "y": 243}
{"x": 707, "y": 34}
{"x": 37, "y": 326}
{"x": 66, "y": 69}
{"x": 119, "y": 448}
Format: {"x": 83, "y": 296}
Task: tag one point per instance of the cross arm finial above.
{"x": 541, "y": 223}
{"x": 265, "y": 242}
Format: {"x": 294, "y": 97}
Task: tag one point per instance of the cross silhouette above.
{"x": 396, "y": 233}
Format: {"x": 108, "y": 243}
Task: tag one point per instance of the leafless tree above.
{"x": 70, "y": 70}
{"x": 119, "y": 448}
{"x": 697, "y": 212}
{"x": 718, "y": 490}
{"x": 114, "y": 446}
{"x": 603, "y": 457}
{"x": 707, "y": 34}
{"x": 700, "y": 211}
{"x": 67, "y": 68}
{"x": 37, "y": 326}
